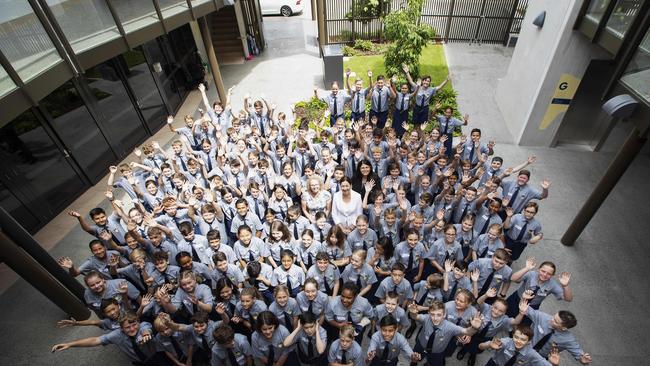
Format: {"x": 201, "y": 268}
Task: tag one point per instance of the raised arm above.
{"x": 408, "y": 75}
{"x": 444, "y": 82}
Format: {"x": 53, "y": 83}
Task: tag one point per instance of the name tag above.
{"x": 518, "y": 227}
{"x": 485, "y": 217}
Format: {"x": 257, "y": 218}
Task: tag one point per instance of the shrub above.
{"x": 364, "y": 45}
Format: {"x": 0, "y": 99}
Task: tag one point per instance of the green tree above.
{"x": 408, "y": 37}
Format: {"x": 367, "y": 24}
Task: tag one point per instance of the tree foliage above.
{"x": 363, "y": 10}
{"x": 403, "y": 28}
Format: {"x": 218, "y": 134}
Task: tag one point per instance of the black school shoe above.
{"x": 461, "y": 354}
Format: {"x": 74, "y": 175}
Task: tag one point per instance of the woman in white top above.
{"x": 315, "y": 199}
{"x": 346, "y": 206}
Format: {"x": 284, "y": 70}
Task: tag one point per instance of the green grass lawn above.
{"x": 432, "y": 63}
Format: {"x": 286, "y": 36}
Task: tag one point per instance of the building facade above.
{"x": 83, "y": 82}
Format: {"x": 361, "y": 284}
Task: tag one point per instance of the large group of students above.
{"x": 254, "y": 240}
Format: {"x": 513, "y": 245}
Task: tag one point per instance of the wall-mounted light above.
{"x": 539, "y": 20}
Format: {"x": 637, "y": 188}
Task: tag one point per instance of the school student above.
{"x": 522, "y": 229}
{"x": 288, "y": 273}
{"x": 267, "y": 342}
{"x": 230, "y": 348}
{"x": 518, "y": 350}
{"x": 345, "y": 351}
{"x": 349, "y": 308}
{"x": 395, "y": 283}
{"x": 359, "y": 272}
{"x": 387, "y": 344}
{"x": 423, "y": 94}
{"x": 391, "y": 306}
{"x": 285, "y": 307}
{"x": 310, "y": 340}
{"x": 325, "y": 274}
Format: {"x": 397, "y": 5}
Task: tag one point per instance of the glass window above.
{"x": 6, "y": 84}
{"x": 86, "y": 23}
{"x": 142, "y": 83}
{"x": 597, "y": 9}
{"x": 78, "y": 130}
{"x": 625, "y": 11}
{"x": 113, "y": 102}
{"x": 42, "y": 171}
{"x": 135, "y": 14}
{"x": 170, "y": 8}
{"x": 17, "y": 209}
{"x": 24, "y": 42}
{"x": 637, "y": 74}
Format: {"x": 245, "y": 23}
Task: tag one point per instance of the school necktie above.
{"x": 328, "y": 289}
{"x": 350, "y": 317}
{"x": 195, "y": 255}
{"x": 409, "y": 266}
{"x": 512, "y": 360}
{"x": 344, "y": 356}
{"x": 522, "y": 232}
{"x": 432, "y": 338}
{"x": 513, "y": 197}
{"x": 542, "y": 342}
{"x": 262, "y": 129}
{"x": 354, "y": 165}
{"x": 365, "y": 246}
{"x": 485, "y": 225}
{"x": 237, "y": 180}
{"x": 379, "y": 100}
{"x": 452, "y": 293}
{"x": 257, "y": 210}
{"x": 480, "y": 335}
{"x": 310, "y": 347}
{"x": 289, "y": 283}
{"x": 385, "y": 353}
{"x": 232, "y": 358}
{"x": 422, "y": 100}
{"x": 231, "y": 309}
{"x": 403, "y": 102}
{"x": 137, "y": 350}
{"x": 167, "y": 277}
{"x": 182, "y": 163}
{"x": 320, "y": 233}
{"x": 309, "y": 260}
{"x": 205, "y": 344}
{"x": 357, "y": 101}
{"x": 336, "y": 109}
{"x": 250, "y": 256}
{"x": 359, "y": 282}
{"x": 144, "y": 284}
{"x": 177, "y": 347}
{"x": 287, "y": 321}
{"x": 209, "y": 164}
{"x": 271, "y": 358}
{"x": 377, "y": 168}
{"x": 295, "y": 230}
{"x": 310, "y": 308}
{"x": 464, "y": 211}
{"x": 487, "y": 283}
{"x": 444, "y": 131}
{"x": 394, "y": 287}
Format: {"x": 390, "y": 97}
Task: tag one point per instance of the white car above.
{"x": 283, "y": 7}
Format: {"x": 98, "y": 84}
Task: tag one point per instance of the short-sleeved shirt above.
{"x": 359, "y": 309}
{"x": 253, "y": 251}
{"x": 379, "y": 98}
{"x": 365, "y": 275}
{"x": 525, "y": 356}
{"x": 295, "y": 275}
{"x": 564, "y": 340}
{"x": 484, "y": 265}
{"x": 252, "y": 313}
{"x": 302, "y": 340}
{"x": 356, "y": 240}
{"x": 426, "y": 296}
{"x": 250, "y": 219}
{"x": 319, "y": 304}
{"x": 197, "y": 339}
{"x": 403, "y": 289}
{"x": 524, "y": 195}
{"x": 199, "y": 246}
{"x": 94, "y": 300}
{"x": 444, "y": 333}
{"x": 201, "y": 293}
{"x": 99, "y": 265}
{"x": 307, "y": 255}
{"x": 461, "y": 319}
{"x": 331, "y": 275}
{"x": 530, "y": 281}
{"x": 233, "y": 273}
{"x": 241, "y": 350}
{"x": 124, "y": 343}
{"x": 277, "y": 247}
{"x": 261, "y": 345}
{"x": 291, "y": 309}
{"x": 383, "y": 263}
{"x": 396, "y": 346}
{"x": 485, "y": 249}
{"x": 403, "y": 250}
{"x": 440, "y": 251}
{"x": 183, "y": 340}
{"x": 493, "y": 326}
{"x": 399, "y": 314}
{"x": 266, "y": 271}
{"x": 353, "y": 354}
{"x": 517, "y": 223}
{"x": 335, "y": 253}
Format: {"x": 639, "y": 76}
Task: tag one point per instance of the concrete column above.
{"x": 313, "y": 9}
{"x": 322, "y": 34}
{"x": 212, "y": 58}
{"x": 241, "y": 25}
{"x": 198, "y": 40}
{"x": 542, "y": 58}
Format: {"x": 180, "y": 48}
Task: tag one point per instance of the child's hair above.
{"x": 94, "y": 242}
{"x": 435, "y": 280}
{"x": 307, "y": 318}
{"x": 502, "y": 254}
{"x": 361, "y": 254}
{"x": 426, "y": 197}
{"x": 468, "y": 295}
{"x": 160, "y": 255}
{"x": 307, "y": 232}
{"x": 159, "y": 325}
{"x": 244, "y": 228}
{"x": 337, "y": 232}
{"x": 350, "y": 286}
{"x": 278, "y": 225}
{"x": 224, "y": 334}
{"x": 398, "y": 267}
{"x": 311, "y": 280}
{"x": 568, "y": 319}
{"x": 501, "y": 301}
{"x": 461, "y": 265}
{"x": 347, "y": 331}
{"x": 241, "y": 201}
{"x": 128, "y": 317}
{"x": 390, "y": 211}
{"x": 388, "y": 321}
{"x": 281, "y": 288}
{"x": 187, "y": 274}
{"x": 212, "y": 234}
{"x": 219, "y": 257}
{"x": 185, "y": 228}
{"x": 294, "y": 210}
{"x": 496, "y": 226}
{"x": 106, "y": 303}
{"x": 253, "y": 270}
{"x": 497, "y": 159}
{"x": 200, "y": 317}
{"x": 392, "y": 295}
{"x": 525, "y": 330}
{"x": 322, "y": 256}
{"x": 287, "y": 253}
{"x": 362, "y": 218}
{"x": 320, "y": 215}
{"x": 137, "y": 254}
{"x": 266, "y": 318}
{"x": 411, "y": 231}
{"x": 96, "y": 211}
{"x": 182, "y": 254}
{"x": 386, "y": 243}
{"x": 222, "y": 283}
{"x": 437, "y": 305}
{"x": 249, "y": 291}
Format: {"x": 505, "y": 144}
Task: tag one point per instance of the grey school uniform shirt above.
{"x": 241, "y": 350}
{"x": 444, "y": 333}
{"x": 124, "y": 343}
{"x": 261, "y": 346}
{"x": 353, "y": 354}
{"x": 396, "y": 346}
{"x": 359, "y": 309}
{"x": 526, "y": 356}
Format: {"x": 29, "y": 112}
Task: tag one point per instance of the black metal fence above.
{"x": 483, "y": 21}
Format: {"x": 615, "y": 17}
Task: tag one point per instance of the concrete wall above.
{"x": 541, "y": 57}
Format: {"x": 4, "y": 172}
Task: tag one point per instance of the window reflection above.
{"x": 24, "y": 42}
{"x": 31, "y": 153}
{"x": 6, "y": 84}
{"x": 135, "y": 14}
{"x": 637, "y": 74}
{"x": 597, "y": 9}
{"x": 625, "y": 11}
{"x": 86, "y": 23}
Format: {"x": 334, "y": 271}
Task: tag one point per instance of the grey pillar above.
{"x": 212, "y": 58}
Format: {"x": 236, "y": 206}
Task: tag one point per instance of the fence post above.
{"x": 512, "y": 18}
{"x": 322, "y": 31}
{"x": 354, "y": 33}
{"x": 451, "y": 12}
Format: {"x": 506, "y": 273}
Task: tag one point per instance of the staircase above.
{"x": 225, "y": 36}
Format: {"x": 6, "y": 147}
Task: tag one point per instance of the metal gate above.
{"x": 483, "y": 21}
